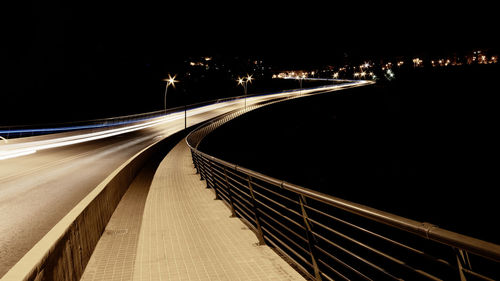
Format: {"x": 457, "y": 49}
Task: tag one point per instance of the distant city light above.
{"x": 361, "y": 69}
{"x": 417, "y": 62}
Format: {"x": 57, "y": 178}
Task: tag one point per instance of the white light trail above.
{"x": 17, "y": 154}
{"x": 9, "y": 151}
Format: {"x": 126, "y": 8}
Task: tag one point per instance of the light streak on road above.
{"x": 21, "y": 149}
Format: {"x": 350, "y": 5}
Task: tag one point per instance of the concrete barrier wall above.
{"x": 63, "y": 253}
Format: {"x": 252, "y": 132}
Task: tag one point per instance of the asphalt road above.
{"x": 42, "y": 178}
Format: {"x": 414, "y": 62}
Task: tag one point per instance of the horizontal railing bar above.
{"x": 276, "y": 193}
{"x": 224, "y": 193}
{"x": 330, "y": 279}
{"x": 242, "y": 213}
{"x": 239, "y": 195}
{"x": 235, "y": 181}
{"x": 287, "y": 247}
{"x": 416, "y": 251}
{"x": 218, "y": 167}
{"x": 235, "y": 174}
{"x": 225, "y": 197}
{"x": 342, "y": 263}
{"x": 220, "y": 187}
{"x": 281, "y": 215}
{"x": 287, "y": 228}
{"x": 210, "y": 178}
{"x": 373, "y": 250}
{"x": 259, "y": 176}
{"x": 232, "y": 182}
{"x": 286, "y": 237}
{"x": 238, "y": 192}
{"x": 479, "y": 247}
{"x": 277, "y": 204}
{"x": 363, "y": 245}
{"x": 291, "y": 259}
{"x": 477, "y": 275}
{"x": 246, "y": 221}
{"x": 372, "y": 265}
{"x": 411, "y": 249}
{"x": 239, "y": 203}
{"x": 219, "y": 178}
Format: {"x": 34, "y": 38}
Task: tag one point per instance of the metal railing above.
{"x": 328, "y": 238}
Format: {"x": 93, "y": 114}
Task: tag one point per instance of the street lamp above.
{"x": 170, "y": 81}
{"x": 244, "y": 83}
{"x": 301, "y": 78}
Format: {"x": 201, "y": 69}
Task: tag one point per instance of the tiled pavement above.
{"x": 173, "y": 229}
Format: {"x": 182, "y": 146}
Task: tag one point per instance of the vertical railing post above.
{"x": 208, "y": 173}
{"x": 195, "y": 162}
{"x": 233, "y": 212}
{"x": 463, "y": 262}
{"x": 310, "y": 237}
{"x": 192, "y": 157}
{"x": 260, "y": 233}
{"x": 202, "y": 167}
{"x": 214, "y": 184}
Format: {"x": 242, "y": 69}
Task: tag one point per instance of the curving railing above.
{"x": 328, "y": 238}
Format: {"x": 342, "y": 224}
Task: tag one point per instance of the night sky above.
{"x": 75, "y": 55}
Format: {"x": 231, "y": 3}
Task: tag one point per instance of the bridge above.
{"x": 74, "y": 207}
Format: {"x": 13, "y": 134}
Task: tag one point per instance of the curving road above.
{"x": 42, "y": 178}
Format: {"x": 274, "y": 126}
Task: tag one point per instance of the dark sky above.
{"x": 170, "y": 30}
{"x": 61, "y": 52}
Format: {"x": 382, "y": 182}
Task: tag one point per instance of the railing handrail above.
{"x": 426, "y": 230}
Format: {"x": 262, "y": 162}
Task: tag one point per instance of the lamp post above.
{"x": 170, "y": 81}
{"x": 244, "y": 83}
{"x": 301, "y": 78}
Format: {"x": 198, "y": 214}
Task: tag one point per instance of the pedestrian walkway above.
{"x": 171, "y": 228}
